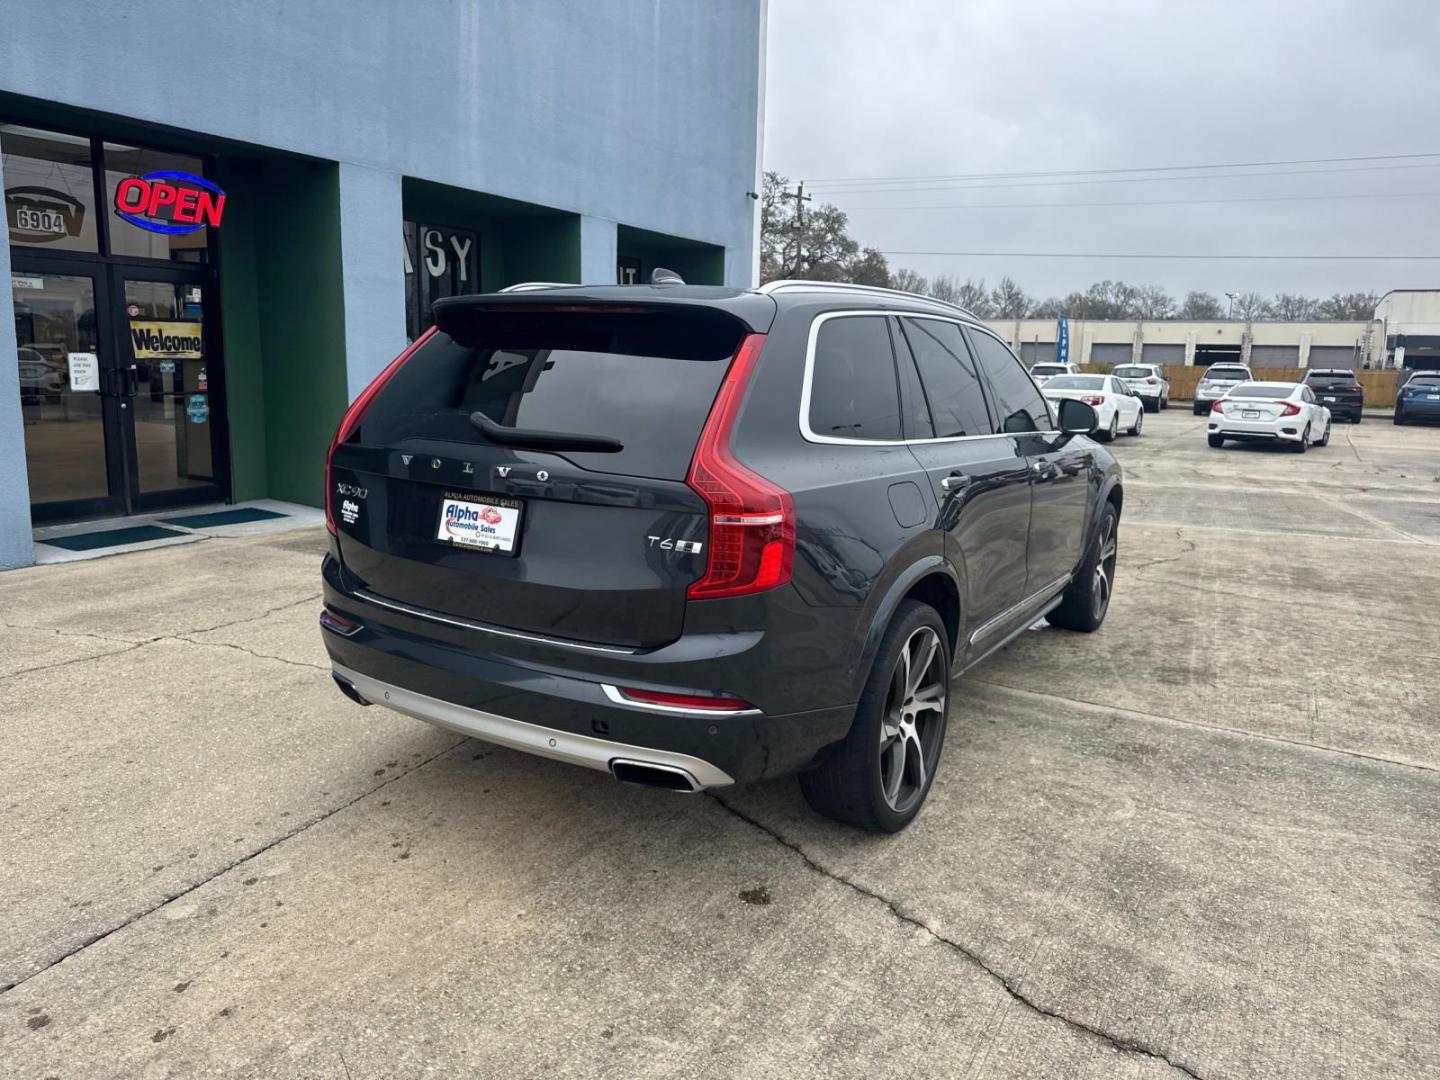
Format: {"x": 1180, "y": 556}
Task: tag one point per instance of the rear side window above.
{"x": 1018, "y": 404}
{"x": 644, "y": 377}
{"x": 853, "y": 391}
{"x": 947, "y": 375}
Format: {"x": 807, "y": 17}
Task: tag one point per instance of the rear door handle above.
{"x": 955, "y": 482}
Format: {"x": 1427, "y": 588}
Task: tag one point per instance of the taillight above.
{"x": 752, "y": 521}
{"x": 1351, "y": 389}
{"x": 1216, "y": 407}
{"x": 1289, "y": 408}
{"x": 351, "y": 420}
{"x": 692, "y": 702}
{"x": 1093, "y": 399}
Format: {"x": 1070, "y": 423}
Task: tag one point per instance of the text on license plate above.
{"x": 483, "y": 523}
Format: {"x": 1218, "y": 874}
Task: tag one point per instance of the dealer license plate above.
{"x": 1433, "y": 397}
{"x": 1249, "y": 414}
{"x": 1329, "y": 399}
{"x": 482, "y": 522}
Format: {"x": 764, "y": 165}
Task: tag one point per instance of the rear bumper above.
{"x": 562, "y": 702}
{"x": 1255, "y": 432}
{"x": 1419, "y": 410}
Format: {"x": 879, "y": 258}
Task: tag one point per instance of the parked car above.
{"x": 697, "y": 536}
{"x": 1116, "y": 406}
{"x": 1042, "y": 373}
{"x": 1218, "y": 380}
{"x": 1149, "y": 381}
{"x": 1419, "y": 398}
{"x": 1339, "y": 391}
{"x": 1273, "y": 412}
{"x": 41, "y": 376}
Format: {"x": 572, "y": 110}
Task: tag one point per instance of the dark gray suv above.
{"x": 700, "y": 536}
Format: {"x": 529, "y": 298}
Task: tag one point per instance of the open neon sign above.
{"x": 169, "y": 202}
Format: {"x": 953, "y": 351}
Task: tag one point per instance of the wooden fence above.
{"x": 1379, "y": 385}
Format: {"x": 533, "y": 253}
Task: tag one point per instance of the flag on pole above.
{"x": 1062, "y": 342}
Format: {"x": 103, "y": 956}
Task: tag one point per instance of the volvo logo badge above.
{"x": 405, "y": 458}
{"x": 503, "y": 470}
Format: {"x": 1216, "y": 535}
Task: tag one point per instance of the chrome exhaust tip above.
{"x": 646, "y": 774}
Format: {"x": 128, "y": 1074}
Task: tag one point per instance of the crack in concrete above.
{"x": 251, "y": 652}
{"x": 187, "y": 890}
{"x": 1189, "y": 550}
{"x": 1122, "y": 1043}
{"x": 1137, "y": 713}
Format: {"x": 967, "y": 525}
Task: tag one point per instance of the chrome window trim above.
{"x": 836, "y": 440}
{"x": 471, "y": 624}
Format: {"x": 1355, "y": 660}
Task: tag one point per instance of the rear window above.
{"x": 853, "y": 392}
{"x": 1221, "y": 374}
{"x": 1077, "y": 382}
{"x": 1049, "y": 369}
{"x": 1330, "y": 377}
{"x": 1133, "y": 372}
{"x": 644, "y": 377}
{"x": 1427, "y": 380}
{"x": 1257, "y": 390}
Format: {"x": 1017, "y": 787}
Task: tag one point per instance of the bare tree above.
{"x": 869, "y": 268}
{"x": 1201, "y": 305}
{"x": 1052, "y": 308}
{"x": 975, "y": 298}
{"x": 943, "y": 287}
{"x": 907, "y": 280}
{"x": 1251, "y": 306}
{"x": 1009, "y": 300}
{"x": 1348, "y": 307}
{"x": 1153, "y": 302}
{"x": 1294, "y": 307}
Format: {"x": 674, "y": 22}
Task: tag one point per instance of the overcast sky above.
{"x": 906, "y": 88}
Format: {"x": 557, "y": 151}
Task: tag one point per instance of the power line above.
{"x": 1163, "y": 255}
{"x": 1128, "y": 180}
{"x": 1138, "y": 168}
{"x": 1157, "y": 202}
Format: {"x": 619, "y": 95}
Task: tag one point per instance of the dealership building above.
{"x": 223, "y": 222}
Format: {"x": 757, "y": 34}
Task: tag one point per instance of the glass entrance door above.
{"x": 73, "y": 433}
{"x": 165, "y": 347}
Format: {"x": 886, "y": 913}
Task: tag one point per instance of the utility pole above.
{"x": 800, "y": 200}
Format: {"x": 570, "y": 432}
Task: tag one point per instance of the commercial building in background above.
{"x": 1405, "y": 333}
{"x": 222, "y": 225}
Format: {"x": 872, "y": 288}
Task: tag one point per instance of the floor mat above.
{"x": 239, "y": 516}
{"x": 136, "y": 534}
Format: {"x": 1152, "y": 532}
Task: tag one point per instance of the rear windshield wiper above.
{"x": 533, "y": 439}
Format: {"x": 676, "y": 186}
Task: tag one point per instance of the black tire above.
{"x": 1398, "y": 418}
{"x": 851, "y": 783}
{"x": 1357, "y": 419}
{"x": 1326, "y": 440}
{"x": 1087, "y": 599}
{"x": 1304, "y": 443}
{"x": 1109, "y": 436}
{"x": 1217, "y": 441}
{"x": 1139, "y": 423}
{"x": 1197, "y": 408}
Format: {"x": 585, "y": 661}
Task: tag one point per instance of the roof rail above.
{"x": 531, "y": 286}
{"x": 864, "y": 290}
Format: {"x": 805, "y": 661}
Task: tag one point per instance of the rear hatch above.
{"x": 1141, "y": 380}
{"x": 525, "y": 468}
{"x": 1337, "y": 388}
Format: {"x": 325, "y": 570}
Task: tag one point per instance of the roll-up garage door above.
{"x": 1037, "y": 352}
{"x": 1105, "y": 353}
{"x": 1273, "y": 356}
{"x": 1162, "y": 354}
{"x": 1333, "y": 356}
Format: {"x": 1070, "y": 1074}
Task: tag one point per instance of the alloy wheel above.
{"x": 914, "y": 720}
{"x": 1104, "y": 569}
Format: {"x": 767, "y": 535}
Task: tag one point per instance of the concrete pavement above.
{"x": 1204, "y": 841}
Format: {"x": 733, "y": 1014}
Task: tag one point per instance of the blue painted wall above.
{"x": 641, "y": 113}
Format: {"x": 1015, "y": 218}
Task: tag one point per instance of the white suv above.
{"x": 1042, "y": 373}
{"x": 1149, "y": 383}
{"x": 1216, "y": 383}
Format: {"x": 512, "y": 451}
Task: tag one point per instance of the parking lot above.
{"x": 1204, "y": 841}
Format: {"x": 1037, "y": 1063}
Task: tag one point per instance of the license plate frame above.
{"x": 1249, "y": 414}
{"x": 471, "y": 528}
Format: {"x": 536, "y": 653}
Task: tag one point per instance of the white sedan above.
{"x": 1118, "y": 407}
{"x": 1272, "y": 412}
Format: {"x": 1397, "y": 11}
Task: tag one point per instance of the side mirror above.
{"x": 1077, "y": 418}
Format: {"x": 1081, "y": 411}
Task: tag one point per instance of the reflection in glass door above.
{"x": 164, "y": 332}
{"x": 61, "y": 378}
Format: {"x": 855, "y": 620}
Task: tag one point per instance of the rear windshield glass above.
{"x": 1427, "y": 380}
{"x": 644, "y": 377}
{"x": 1048, "y": 369}
{"x": 1330, "y": 376}
{"x": 1077, "y": 382}
{"x": 1256, "y": 390}
{"x": 1226, "y": 374}
{"x": 1133, "y": 372}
